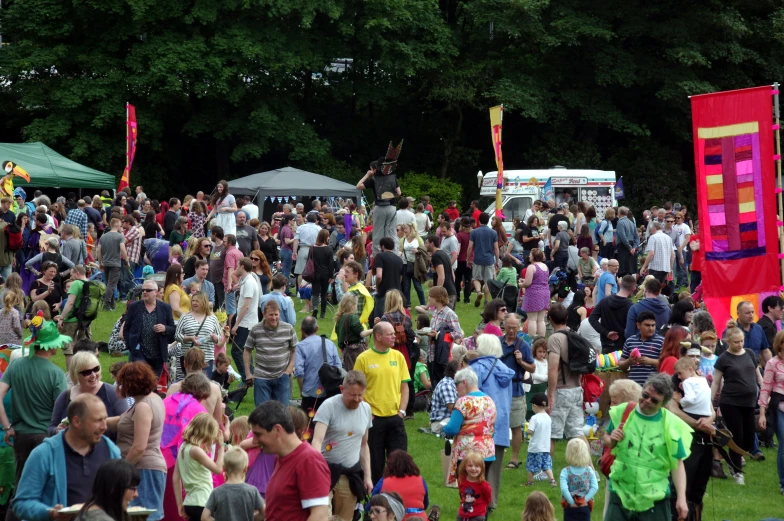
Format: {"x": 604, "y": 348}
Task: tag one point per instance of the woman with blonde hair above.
{"x": 198, "y": 249}
{"x": 409, "y": 245}
{"x": 349, "y": 332}
{"x": 13, "y": 286}
{"x": 405, "y": 337}
{"x": 200, "y": 328}
{"x": 10, "y": 321}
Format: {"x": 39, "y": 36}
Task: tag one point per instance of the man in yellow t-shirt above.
{"x": 387, "y": 393}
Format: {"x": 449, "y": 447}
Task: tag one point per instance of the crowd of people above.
{"x": 210, "y": 316}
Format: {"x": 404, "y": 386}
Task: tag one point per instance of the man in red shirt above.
{"x": 475, "y": 212}
{"x": 299, "y": 487}
{"x": 452, "y": 211}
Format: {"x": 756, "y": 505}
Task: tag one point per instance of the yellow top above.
{"x": 385, "y": 372}
{"x": 185, "y": 299}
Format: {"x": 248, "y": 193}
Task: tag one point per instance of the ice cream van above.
{"x": 523, "y": 187}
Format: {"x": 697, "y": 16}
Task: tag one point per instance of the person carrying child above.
{"x": 475, "y": 491}
{"x": 235, "y": 500}
{"x": 578, "y": 482}
{"x": 539, "y": 427}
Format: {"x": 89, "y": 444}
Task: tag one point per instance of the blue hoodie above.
{"x": 43, "y": 482}
{"x": 497, "y": 386}
{"x": 652, "y": 304}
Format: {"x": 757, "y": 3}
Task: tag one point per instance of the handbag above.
{"x": 607, "y": 459}
{"x": 331, "y": 377}
{"x": 309, "y": 273}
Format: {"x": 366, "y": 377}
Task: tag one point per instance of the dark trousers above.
{"x": 408, "y": 279}
{"x": 695, "y": 279}
{"x": 237, "y": 348}
{"x": 582, "y": 513}
{"x": 740, "y": 422}
{"x": 387, "y": 434}
{"x": 320, "y": 287}
{"x": 23, "y": 446}
{"x": 627, "y": 266}
{"x": 661, "y": 276}
{"x": 437, "y": 372}
{"x": 463, "y": 274}
{"x": 410, "y": 406}
{"x": 309, "y": 403}
{"x": 698, "y": 468}
{"x": 126, "y": 278}
{"x": 193, "y": 513}
{"x": 111, "y": 276}
{"x": 220, "y": 295}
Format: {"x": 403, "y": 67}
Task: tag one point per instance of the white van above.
{"x": 523, "y": 187}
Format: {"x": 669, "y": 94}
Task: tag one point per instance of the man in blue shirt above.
{"x": 202, "y": 268}
{"x": 754, "y": 336}
{"x": 519, "y": 358}
{"x": 286, "y": 305}
{"x": 308, "y": 361}
{"x": 484, "y": 246}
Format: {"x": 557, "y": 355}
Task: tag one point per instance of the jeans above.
{"x": 463, "y": 274}
{"x": 681, "y": 272}
{"x": 150, "y": 489}
{"x": 320, "y": 287}
{"x": 285, "y": 258}
{"x": 276, "y": 389}
{"x": 695, "y": 280}
{"x": 126, "y": 279}
{"x": 383, "y": 226}
{"x": 561, "y": 261}
{"x": 238, "y": 348}
{"x": 111, "y": 275}
{"x": 210, "y": 367}
{"x": 385, "y": 436}
{"x": 407, "y": 280}
{"x": 5, "y": 272}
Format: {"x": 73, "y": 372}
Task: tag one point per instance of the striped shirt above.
{"x": 189, "y": 326}
{"x": 650, "y": 348}
{"x": 661, "y": 245}
{"x": 274, "y": 349}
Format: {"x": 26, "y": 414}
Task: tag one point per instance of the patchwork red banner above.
{"x": 736, "y": 201}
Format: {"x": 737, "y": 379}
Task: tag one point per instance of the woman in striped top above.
{"x": 200, "y": 328}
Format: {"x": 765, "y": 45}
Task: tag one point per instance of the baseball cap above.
{"x": 539, "y": 399}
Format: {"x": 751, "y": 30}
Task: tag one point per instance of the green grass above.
{"x": 760, "y": 497}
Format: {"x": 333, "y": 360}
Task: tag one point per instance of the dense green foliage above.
{"x": 225, "y": 88}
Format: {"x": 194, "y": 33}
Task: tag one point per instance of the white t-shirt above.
{"x": 696, "y": 396}
{"x": 345, "y": 429}
{"x": 404, "y": 217}
{"x": 682, "y": 230}
{"x": 423, "y": 223}
{"x": 449, "y": 245}
{"x": 587, "y": 331}
{"x": 540, "y": 425}
{"x": 249, "y": 288}
{"x": 252, "y": 210}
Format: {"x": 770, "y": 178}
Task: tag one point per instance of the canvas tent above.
{"x": 48, "y": 169}
{"x": 291, "y": 182}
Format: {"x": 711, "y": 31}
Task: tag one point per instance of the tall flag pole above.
{"x": 496, "y": 120}
{"x": 130, "y": 144}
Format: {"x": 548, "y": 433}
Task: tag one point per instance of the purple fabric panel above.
{"x": 755, "y": 157}
{"x": 745, "y": 178}
{"x": 730, "y": 191}
{"x": 743, "y": 140}
{"x": 715, "y": 208}
{"x": 720, "y": 245}
{"x": 734, "y": 255}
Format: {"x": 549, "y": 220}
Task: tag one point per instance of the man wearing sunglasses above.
{"x": 148, "y": 327}
{"x": 650, "y": 447}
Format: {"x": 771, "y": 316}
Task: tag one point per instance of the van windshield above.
{"x": 514, "y": 207}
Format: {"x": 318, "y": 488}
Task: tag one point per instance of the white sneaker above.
{"x": 541, "y": 476}
{"x": 738, "y": 477}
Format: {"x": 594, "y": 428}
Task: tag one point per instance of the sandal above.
{"x": 513, "y": 465}
{"x": 528, "y": 484}
{"x": 435, "y": 513}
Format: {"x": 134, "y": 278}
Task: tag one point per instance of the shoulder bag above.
{"x": 607, "y": 459}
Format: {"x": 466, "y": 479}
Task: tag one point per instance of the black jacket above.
{"x": 132, "y": 329}
{"x": 610, "y": 315}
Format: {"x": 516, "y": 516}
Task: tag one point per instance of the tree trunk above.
{"x": 449, "y": 142}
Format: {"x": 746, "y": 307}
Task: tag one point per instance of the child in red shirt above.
{"x": 475, "y": 492}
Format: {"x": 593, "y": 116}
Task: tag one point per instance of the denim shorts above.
{"x": 231, "y": 303}
{"x": 150, "y": 491}
{"x": 538, "y": 461}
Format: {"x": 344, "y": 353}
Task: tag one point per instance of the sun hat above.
{"x": 45, "y": 335}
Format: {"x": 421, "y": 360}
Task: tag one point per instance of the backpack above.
{"x": 384, "y": 186}
{"x": 14, "y": 240}
{"x": 330, "y": 377}
{"x": 582, "y": 357}
{"x": 92, "y": 296}
{"x": 401, "y": 340}
{"x": 442, "y": 346}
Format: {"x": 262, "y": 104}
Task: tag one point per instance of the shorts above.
{"x": 231, "y": 303}
{"x": 567, "y": 414}
{"x": 483, "y": 273}
{"x": 71, "y": 329}
{"x": 537, "y": 462}
{"x": 517, "y": 414}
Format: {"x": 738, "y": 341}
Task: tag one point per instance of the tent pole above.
{"x": 777, "y": 114}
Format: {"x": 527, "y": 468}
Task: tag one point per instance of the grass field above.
{"x": 760, "y": 498}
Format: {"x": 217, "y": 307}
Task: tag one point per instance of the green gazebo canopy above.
{"x": 48, "y": 169}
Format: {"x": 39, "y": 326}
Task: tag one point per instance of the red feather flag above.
{"x": 130, "y": 147}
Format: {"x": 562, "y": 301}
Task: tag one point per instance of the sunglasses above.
{"x": 88, "y": 372}
{"x": 670, "y": 222}
{"x": 148, "y": 290}
{"x": 255, "y": 259}
{"x": 646, "y": 396}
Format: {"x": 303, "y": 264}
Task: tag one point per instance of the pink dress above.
{"x": 537, "y": 295}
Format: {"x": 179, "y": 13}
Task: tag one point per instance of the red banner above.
{"x": 130, "y": 147}
{"x": 736, "y": 201}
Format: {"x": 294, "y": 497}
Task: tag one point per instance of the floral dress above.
{"x": 476, "y": 432}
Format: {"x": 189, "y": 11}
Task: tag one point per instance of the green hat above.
{"x": 46, "y": 337}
